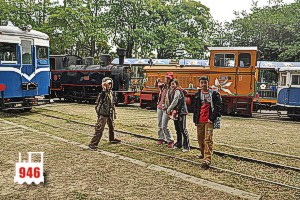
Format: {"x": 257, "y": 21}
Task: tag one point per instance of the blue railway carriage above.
{"x": 24, "y": 67}
{"x": 288, "y": 98}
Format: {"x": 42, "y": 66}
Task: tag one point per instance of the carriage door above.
{"x": 246, "y": 74}
{"x": 27, "y": 65}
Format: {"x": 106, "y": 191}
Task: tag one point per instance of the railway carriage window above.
{"x": 42, "y": 52}
{"x": 8, "y": 53}
{"x": 268, "y": 76}
{"x": 295, "y": 79}
{"x": 26, "y": 52}
{"x": 224, "y": 60}
{"x": 283, "y": 79}
{"x": 244, "y": 60}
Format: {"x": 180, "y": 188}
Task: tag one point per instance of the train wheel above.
{"x": 27, "y": 109}
{"x": 91, "y": 101}
{"x": 143, "y": 104}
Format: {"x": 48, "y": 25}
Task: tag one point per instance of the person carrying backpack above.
{"x": 178, "y": 112}
{"x": 105, "y": 110}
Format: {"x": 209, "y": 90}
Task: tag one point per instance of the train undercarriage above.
{"x": 89, "y": 94}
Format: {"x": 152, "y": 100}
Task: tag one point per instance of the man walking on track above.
{"x": 105, "y": 110}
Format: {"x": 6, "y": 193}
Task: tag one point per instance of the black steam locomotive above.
{"x": 76, "y": 79}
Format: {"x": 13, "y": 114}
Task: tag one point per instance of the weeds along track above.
{"x": 74, "y": 123}
{"x": 139, "y": 117}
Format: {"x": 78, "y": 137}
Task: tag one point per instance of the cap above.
{"x": 170, "y": 75}
{"x": 106, "y": 79}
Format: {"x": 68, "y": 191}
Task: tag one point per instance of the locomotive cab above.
{"x": 232, "y": 73}
{"x": 232, "y": 70}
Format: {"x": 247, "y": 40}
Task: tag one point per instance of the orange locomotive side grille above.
{"x": 146, "y": 97}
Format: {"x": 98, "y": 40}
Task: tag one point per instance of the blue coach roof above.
{"x": 193, "y": 62}
{"x": 135, "y": 61}
{"x": 290, "y": 68}
{"x": 276, "y": 65}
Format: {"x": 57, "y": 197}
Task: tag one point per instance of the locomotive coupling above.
{"x": 29, "y": 86}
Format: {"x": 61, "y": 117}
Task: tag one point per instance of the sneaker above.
{"x": 115, "y": 141}
{"x": 176, "y": 146}
{"x": 160, "y": 142}
{"x": 170, "y": 145}
{"x": 205, "y": 165}
{"x": 185, "y": 150}
{"x": 200, "y": 156}
{"x": 92, "y": 148}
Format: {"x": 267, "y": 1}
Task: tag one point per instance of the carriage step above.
{"x": 242, "y": 109}
{"x": 15, "y": 102}
{"x": 16, "y": 108}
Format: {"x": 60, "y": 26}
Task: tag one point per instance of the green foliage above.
{"x": 273, "y": 28}
{"x": 93, "y": 27}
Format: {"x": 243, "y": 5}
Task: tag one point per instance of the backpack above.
{"x": 217, "y": 122}
{"x": 181, "y": 101}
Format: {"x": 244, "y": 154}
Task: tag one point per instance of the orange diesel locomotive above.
{"x": 231, "y": 71}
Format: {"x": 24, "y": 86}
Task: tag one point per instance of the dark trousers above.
{"x": 99, "y": 128}
{"x": 180, "y": 127}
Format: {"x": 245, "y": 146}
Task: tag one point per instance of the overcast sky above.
{"x": 222, "y": 10}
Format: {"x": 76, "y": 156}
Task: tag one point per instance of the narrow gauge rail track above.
{"x": 221, "y": 144}
{"x": 258, "y": 150}
{"x": 219, "y": 153}
{"x": 159, "y": 153}
{"x": 264, "y": 117}
{"x": 271, "y": 117}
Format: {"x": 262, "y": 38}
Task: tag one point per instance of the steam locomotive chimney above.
{"x": 105, "y": 59}
{"x": 121, "y": 53}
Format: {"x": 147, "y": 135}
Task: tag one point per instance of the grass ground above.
{"x": 74, "y": 173}
{"x": 144, "y": 122}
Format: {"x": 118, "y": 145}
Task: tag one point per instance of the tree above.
{"x": 79, "y": 28}
{"x": 93, "y": 27}
{"x": 273, "y": 28}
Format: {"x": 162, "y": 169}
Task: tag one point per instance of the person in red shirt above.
{"x": 208, "y": 105}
